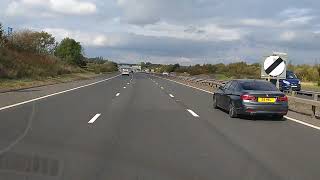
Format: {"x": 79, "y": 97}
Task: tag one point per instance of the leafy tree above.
{"x": 195, "y": 70}
{"x": 318, "y": 68}
{"x": 221, "y": 68}
{"x": 143, "y": 65}
{"x": 171, "y": 68}
{"x": 2, "y": 36}
{"x": 32, "y": 41}
{"x": 175, "y": 67}
{"x": 97, "y": 60}
{"x": 70, "y": 51}
{"x": 45, "y": 42}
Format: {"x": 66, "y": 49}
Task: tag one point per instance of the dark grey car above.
{"x": 251, "y": 97}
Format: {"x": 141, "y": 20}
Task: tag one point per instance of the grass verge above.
{"x": 310, "y": 86}
{"x": 11, "y": 85}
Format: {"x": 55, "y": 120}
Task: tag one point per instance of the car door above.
{"x": 223, "y": 96}
{"x": 217, "y": 95}
{"x": 227, "y": 94}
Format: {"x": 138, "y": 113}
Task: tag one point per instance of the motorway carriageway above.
{"x": 146, "y": 127}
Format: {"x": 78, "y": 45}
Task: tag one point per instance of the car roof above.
{"x": 249, "y": 80}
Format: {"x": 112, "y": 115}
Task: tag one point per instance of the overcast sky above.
{"x": 176, "y": 31}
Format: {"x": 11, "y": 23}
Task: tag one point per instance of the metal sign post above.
{"x": 10, "y": 33}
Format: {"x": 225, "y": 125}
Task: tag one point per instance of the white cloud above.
{"x": 287, "y": 18}
{"x": 299, "y": 20}
{"x": 209, "y": 32}
{"x": 275, "y": 23}
{"x": 171, "y": 29}
{"x": 288, "y": 36}
{"x": 295, "y": 12}
{"x": 259, "y": 22}
{"x": 87, "y": 38}
{"x": 73, "y": 7}
{"x": 296, "y": 16}
{"x": 140, "y": 11}
{"x": 49, "y": 8}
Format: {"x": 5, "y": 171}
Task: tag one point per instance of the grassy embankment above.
{"x": 24, "y": 69}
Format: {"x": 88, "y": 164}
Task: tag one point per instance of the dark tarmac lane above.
{"x": 151, "y": 129}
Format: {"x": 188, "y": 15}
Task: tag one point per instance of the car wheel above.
{"x": 215, "y": 105}
{"x": 278, "y": 117}
{"x": 232, "y": 111}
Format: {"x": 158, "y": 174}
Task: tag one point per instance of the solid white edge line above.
{"x": 187, "y": 85}
{"x": 192, "y": 113}
{"x": 301, "y": 122}
{"x": 54, "y": 94}
{"x": 94, "y": 118}
{"x": 287, "y": 117}
{"x": 117, "y": 94}
{"x": 171, "y": 95}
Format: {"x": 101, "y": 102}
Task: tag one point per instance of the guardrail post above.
{"x": 315, "y": 97}
{"x": 313, "y": 111}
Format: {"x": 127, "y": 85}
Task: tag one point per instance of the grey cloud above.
{"x": 198, "y": 31}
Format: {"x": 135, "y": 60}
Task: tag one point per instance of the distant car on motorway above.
{"x": 125, "y": 72}
{"x": 165, "y": 73}
{"x": 147, "y": 71}
{"x": 290, "y": 83}
{"x": 251, "y": 97}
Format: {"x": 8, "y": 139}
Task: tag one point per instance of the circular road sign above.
{"x": 274, "y": 66}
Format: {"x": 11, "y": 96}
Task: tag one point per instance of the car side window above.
{"x": 232, "y": 86}
{"x": 227, "y": 85}
{"x": 236, "y": 86}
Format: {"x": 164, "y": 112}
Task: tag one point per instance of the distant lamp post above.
{"x": 10, "y": 32}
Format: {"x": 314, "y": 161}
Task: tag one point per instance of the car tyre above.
{"x": 279, "y": 117}
{"x": 232, "y": 111}
{"x": 215, "y": 105}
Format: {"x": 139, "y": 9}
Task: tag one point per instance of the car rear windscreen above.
{"x": 258, "y": 86}
{"x": 291, "y": 75}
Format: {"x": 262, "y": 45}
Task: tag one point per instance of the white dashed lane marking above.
{"x": 289, "y": 118}
{"x": 192, "y": 113}
{"x": 94, "y": 118}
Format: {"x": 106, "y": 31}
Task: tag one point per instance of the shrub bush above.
{"x": 17, "y": 65}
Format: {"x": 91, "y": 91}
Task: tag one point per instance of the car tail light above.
{"x": 282, "y": 99}
{"x": 250, "y": 110}
{"x": 247, "y": 97}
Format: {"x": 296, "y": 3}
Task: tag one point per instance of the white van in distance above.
{"x": 125, "y": 72}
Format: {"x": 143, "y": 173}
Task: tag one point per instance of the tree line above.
{"x": 236, "y": 70}
{"x": 28, "y": 54}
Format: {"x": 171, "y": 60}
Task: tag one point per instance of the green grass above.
{"x": 222, "y": 77}
{"x": 24, "y": 70}
{"x": 310, "y": 86}
{"x": 14, "y": 84}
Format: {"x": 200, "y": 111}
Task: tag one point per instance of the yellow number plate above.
{"x": 267, "y": 100}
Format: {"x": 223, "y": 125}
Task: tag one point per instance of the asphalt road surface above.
{"x": 142, "y": 127}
